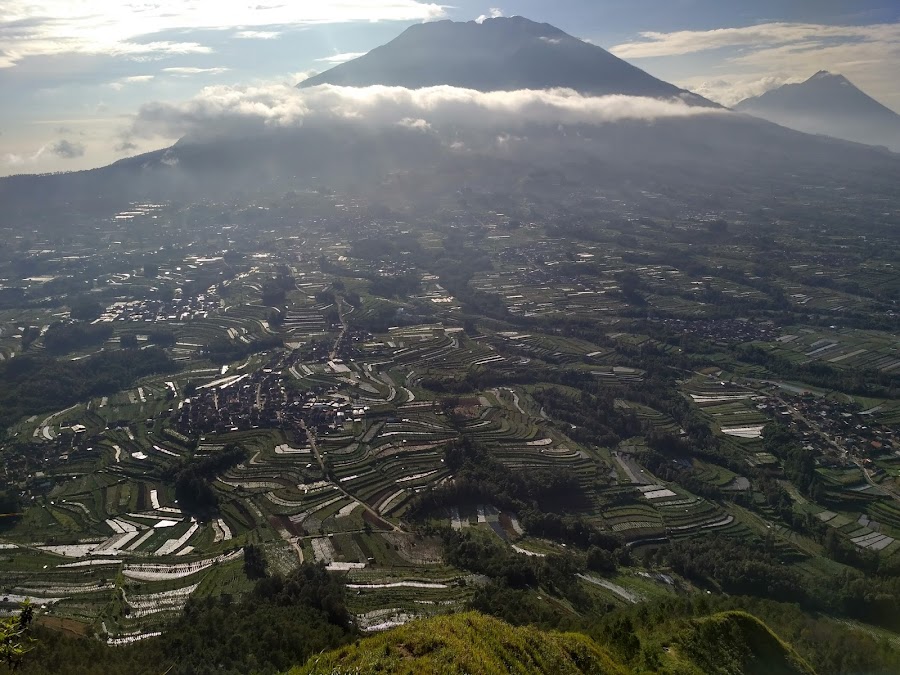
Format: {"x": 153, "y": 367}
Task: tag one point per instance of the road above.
{"x": 337, "y": 343}
{"x": 313, "y": 443}
{"x": 890, "y": 491}
{"x": 311, "y": 437}
{"x": 516, "y": 401}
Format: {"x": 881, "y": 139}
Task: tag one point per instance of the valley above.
{"x": 321, "y": 385}
{"x": 482, "y": 351}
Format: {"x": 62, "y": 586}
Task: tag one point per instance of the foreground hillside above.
{"x": 733, "y": 642}
{"x": 730, "y": 642}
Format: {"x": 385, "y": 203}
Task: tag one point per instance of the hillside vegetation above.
{"x": 730, "y": 643}
{"x": 736, "y": 642}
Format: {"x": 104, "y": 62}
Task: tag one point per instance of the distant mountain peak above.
{"x": 830, "y": 104}
{"x": 517, "y": 21}
{"x": 493, "y": 24}
{"x": 826, "y": 76}
{"x": 498, "y": 54}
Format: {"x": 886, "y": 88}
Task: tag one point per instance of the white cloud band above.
{"x": 227, "y": 109}
{"x": 336, "y": 59}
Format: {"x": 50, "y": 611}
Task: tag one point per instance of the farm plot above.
{"x": 707, "y": 391}
{"x": 653, "y": 418}
{"x": 163, "y": 571}
{"x": 844, "y": 348}
{"x": 635, "y": 521}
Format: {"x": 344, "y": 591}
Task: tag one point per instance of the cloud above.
{"x": 185, "y": 71}
{"x": 67, "y": 149}
{"x": 758, "y": 37}
{"x": 409, "y": 123}
{"x": 10, "y": 55}
{"x": 230, "y": 110}
{"x": 134, "y": 79}
{"x": 336, "y": 59}
{"x": 31, "y": 28}
{"x": 257, "y": 35}
{"x": 494, "y": 13}
{"x": 868, "y": 54}
{"x": 63, "y": 149}
{"x": 732, "y": 89}
{"x": 16, "y": 159}
{"x": 303, "y": 75}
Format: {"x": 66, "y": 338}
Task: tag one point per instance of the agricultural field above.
{"x": 337, "y": 396}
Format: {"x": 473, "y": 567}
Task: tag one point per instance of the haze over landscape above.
{"x": 388, "y": 336}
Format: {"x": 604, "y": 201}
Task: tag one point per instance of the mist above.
{"x": 245, "y": 111}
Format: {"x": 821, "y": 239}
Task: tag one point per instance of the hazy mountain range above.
{"x": 491, "y": 115}
{"x": 828, "y": 104}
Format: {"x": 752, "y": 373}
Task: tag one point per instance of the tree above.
{"x": 29, "y": 335}
{"x": 10, "y": 509}
{"x": 718, "y": 227}
{"x": 128, "y": 341}
{"x": 600, "y": 560}
{"x": 151, "y": 270}
{"x": 9, "y": 502}
{"x": 274, "y": 291}
{"x": 86, "y": 309}
{"x": 276, "y": 318}
{"x": 273, "y": 295}
{"x": 14, "y": 637}
{"x": 630, "y": 285}
{"x": 166, "y": 294}
{"x": 162, "y": 337}
{"x": 255, "y": 564}
{"x": 62, "y": 337}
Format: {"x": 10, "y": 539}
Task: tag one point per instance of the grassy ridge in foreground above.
{"x": 731, "y": 642}
{"x": 736, "y": 642}
{"x": 467, "y": 643}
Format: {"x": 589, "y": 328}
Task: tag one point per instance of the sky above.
{"x": 76, "y": 76}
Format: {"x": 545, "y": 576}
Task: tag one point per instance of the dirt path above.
{"x": 313, "y": 443}
{"x": 635, "y": 474}
{"x": 623, "y": 593}
{"x": 337, "y": 343}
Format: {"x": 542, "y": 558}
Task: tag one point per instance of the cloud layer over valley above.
{"x": 227, "y": 110}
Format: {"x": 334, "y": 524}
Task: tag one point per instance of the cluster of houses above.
{"x": 736, "y": 331}
{"x": 824, "y": 424}
{"x": 262, "y": 399}
{"x": 179, "y": 309}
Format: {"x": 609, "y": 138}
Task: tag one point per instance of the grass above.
{"x": 467, "y": 643}
{"x": 736, "y": 642}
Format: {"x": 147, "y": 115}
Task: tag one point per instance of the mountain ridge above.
{"x": 708, "y": 152}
